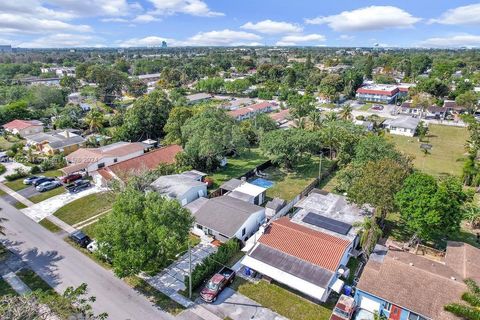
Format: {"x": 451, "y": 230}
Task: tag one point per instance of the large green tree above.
{"x": 431, "y": 209}
{"x": 143, "y": 231}
{"x": 110, "y": 82}
{"x": 176, "y": 120}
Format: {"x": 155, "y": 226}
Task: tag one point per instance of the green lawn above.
{"x": 49, "y": 225}
{"x": 84, "y": 208}
{"x": 238, "y": 165}
{"x": 5, "y": 288}
{"x": 365, "y": 107}
{"x": 34, "y": 282}
{"x": 7, "y": 142}
{"x": 17, "y": 185}
{"x": 19, "y": 205}
{"x": 289, "y": 184}
{"x": 47, "y": 194}
{"x": 161, "y": 300}
{"x": 446, "y": 155}
{"x": 283, "y": 301}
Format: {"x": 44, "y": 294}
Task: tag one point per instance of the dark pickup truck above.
{"x": 77, "y": 186}
{"x": 216, "y": 284}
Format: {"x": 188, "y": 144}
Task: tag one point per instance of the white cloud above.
{"x": 63, "y": 40}
{"x": 145, "y": 18}
{"x": 272, "y": 27}
{"x": 346, "y": 37}
{"x": 120, "y": 20}
{"x": 454, "y": 41}
{"x": 191, "y": 7}
{"x": 223, "y": 38}
{"x": 94, "y": 7}
{"x": 151, "y": 41}
{"x": 294, "y": 39}
{"x": 462, "y": 15}
{"x": 11, "y": 23}
{"x": 368, "y": 18}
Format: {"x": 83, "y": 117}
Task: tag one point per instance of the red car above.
{"x": 71, "y": 177}
{"x": 216, "y": 284}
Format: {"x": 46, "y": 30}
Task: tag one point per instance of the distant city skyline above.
{"x": 147, "y": 23}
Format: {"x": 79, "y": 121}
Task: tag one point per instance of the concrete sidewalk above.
{"x": 16, "y": 195}
{"x": 16, "y": 283}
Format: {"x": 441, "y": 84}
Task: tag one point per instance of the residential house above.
{"x": 195, "y": 175}
{"x": 251, "y": 111}
{"x": 180, "y": 187}
{"x": 404, "y": 88}
{"x": 23, "y": 127}
{"x": 225, "y": 217}
{"x": 310, "y": 251}
{"x": 403, "y": 126}
{"x": 244, "y": 191}
{"x": 282, "y": 118}
{"x": 198, "y": 97}
{"x": 403, "y": 285}
{"x": 138, "y": 164}
{"x": 383, "y": 93}
{"x": 236, "y": 103}
{"x": 63, "y": 141}
{"x": 91, "y": 159}
{"x": 432, "y": 112}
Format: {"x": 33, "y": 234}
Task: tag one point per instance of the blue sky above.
{"x": 124, "y": 23}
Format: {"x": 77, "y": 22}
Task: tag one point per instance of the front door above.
{"x": 395, "y": 313}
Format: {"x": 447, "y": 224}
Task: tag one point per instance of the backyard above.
{"x": 288, "y": 184}
{"x": 446, "y": 155}
{"x": 238, "y": 165}
{"x": 283, "y": 301}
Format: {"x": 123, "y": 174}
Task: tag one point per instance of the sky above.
{"x": 146, "y": 23}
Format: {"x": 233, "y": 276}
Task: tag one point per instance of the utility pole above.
{"x": 190, "y": 270}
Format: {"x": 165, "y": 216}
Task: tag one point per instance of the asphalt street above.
{"x": 61, "y": 265}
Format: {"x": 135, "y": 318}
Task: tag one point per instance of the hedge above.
{"x": 19, "y": 173}
{"x": 2, "y": 169}
{"x": 213, "y": 262}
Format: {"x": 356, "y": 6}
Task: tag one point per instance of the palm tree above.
{"x": 370, "y": 233}
{"x": 471, "y": 212}
{"x": 316, "y": 120}
{"x": 346, "y": 113}
{"x": 300, "y": 123}
{"x": 471, "y": 309}
{"x": 94, "y": 119}
{"x": 331, "y": 117}
{"x": 329, "y": 136}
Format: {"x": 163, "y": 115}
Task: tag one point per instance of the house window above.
{"x": 244, "y": 230}
{"x": 388, "y": 306}
{"x": 115, "y": 160}
{"x": 101, "y": 165}
{"x": 414, "y": 316}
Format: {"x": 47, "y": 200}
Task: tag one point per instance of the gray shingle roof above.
{"x": 403, "y": 122}
{"x": 175, "y": 185}
{"x": 225, "y": 214}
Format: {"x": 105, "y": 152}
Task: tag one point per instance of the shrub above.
{"x": 212, "y": 263}
{"x": 19, "y": 173}
{"x": 35, "y": 170}
{"x": 2, "y": 169}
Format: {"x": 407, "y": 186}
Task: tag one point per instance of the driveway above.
{"x": 61, "y": 266}
{"x": 11, "y": 166}
{"x": 47, "y": 207}
{"x": 238, "y": 307}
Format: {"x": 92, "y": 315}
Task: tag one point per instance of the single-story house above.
{"x": 404, "y": 126}
{"x": 137, "y": 165}
{"x": 195, "y": 175}
{"x": 24, "y": 127}
{"x": 91, "y": 159}
{"x": 300, "y": 257}
{"x": 198, "y": 97}
{"x": 403, "y": 285}
{"x": 226, "y": 217}
{"x": 180, "y": 187}
{"x": 59, "y": 141}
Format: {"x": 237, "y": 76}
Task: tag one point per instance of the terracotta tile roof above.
{"x": 279, "y": 116}
{"x": 419, "y": 284}
{"x": 21, "y": 124}
{"x": 252, "y": 108}
{"x": 118, "y": 149}
{"x": 147, "y": 161}
{"x": 313, "y": 246}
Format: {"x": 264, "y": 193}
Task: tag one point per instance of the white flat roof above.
{"x": 250, "y": 189}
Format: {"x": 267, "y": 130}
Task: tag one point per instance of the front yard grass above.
{"x": 19, "y": 205}
{"x": 34, "y": 282}
{"x": 153, "y": 295}
{"x": 6, "y": 142}
{"x": 283, "y": 301}
{"x": 6, "y": 289}
{"x": 17, "y": 185}
{"x": 238, "y": 165}
{"x": 86, "y": 207}
{"x": 446, "y": 155}
{"x": 47, "y": 194}
{"x": 52, "y": 227}
{"x": 288, "y": 184}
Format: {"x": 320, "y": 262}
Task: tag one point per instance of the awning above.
{"x": 337, "y": 286}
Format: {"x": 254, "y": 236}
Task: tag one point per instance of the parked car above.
{"x": 72, "y": 177}
{"x": 42, "y": 180}
{"x": 78, "y": 186}
{"x": 377, "y": 107}
{"x": 48, "y": 185}
{"x": 32, "y": 179}
{"x": 80, "y": 238}
{"x": 216, "y": 284}
{"x": 344, "y": 308}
